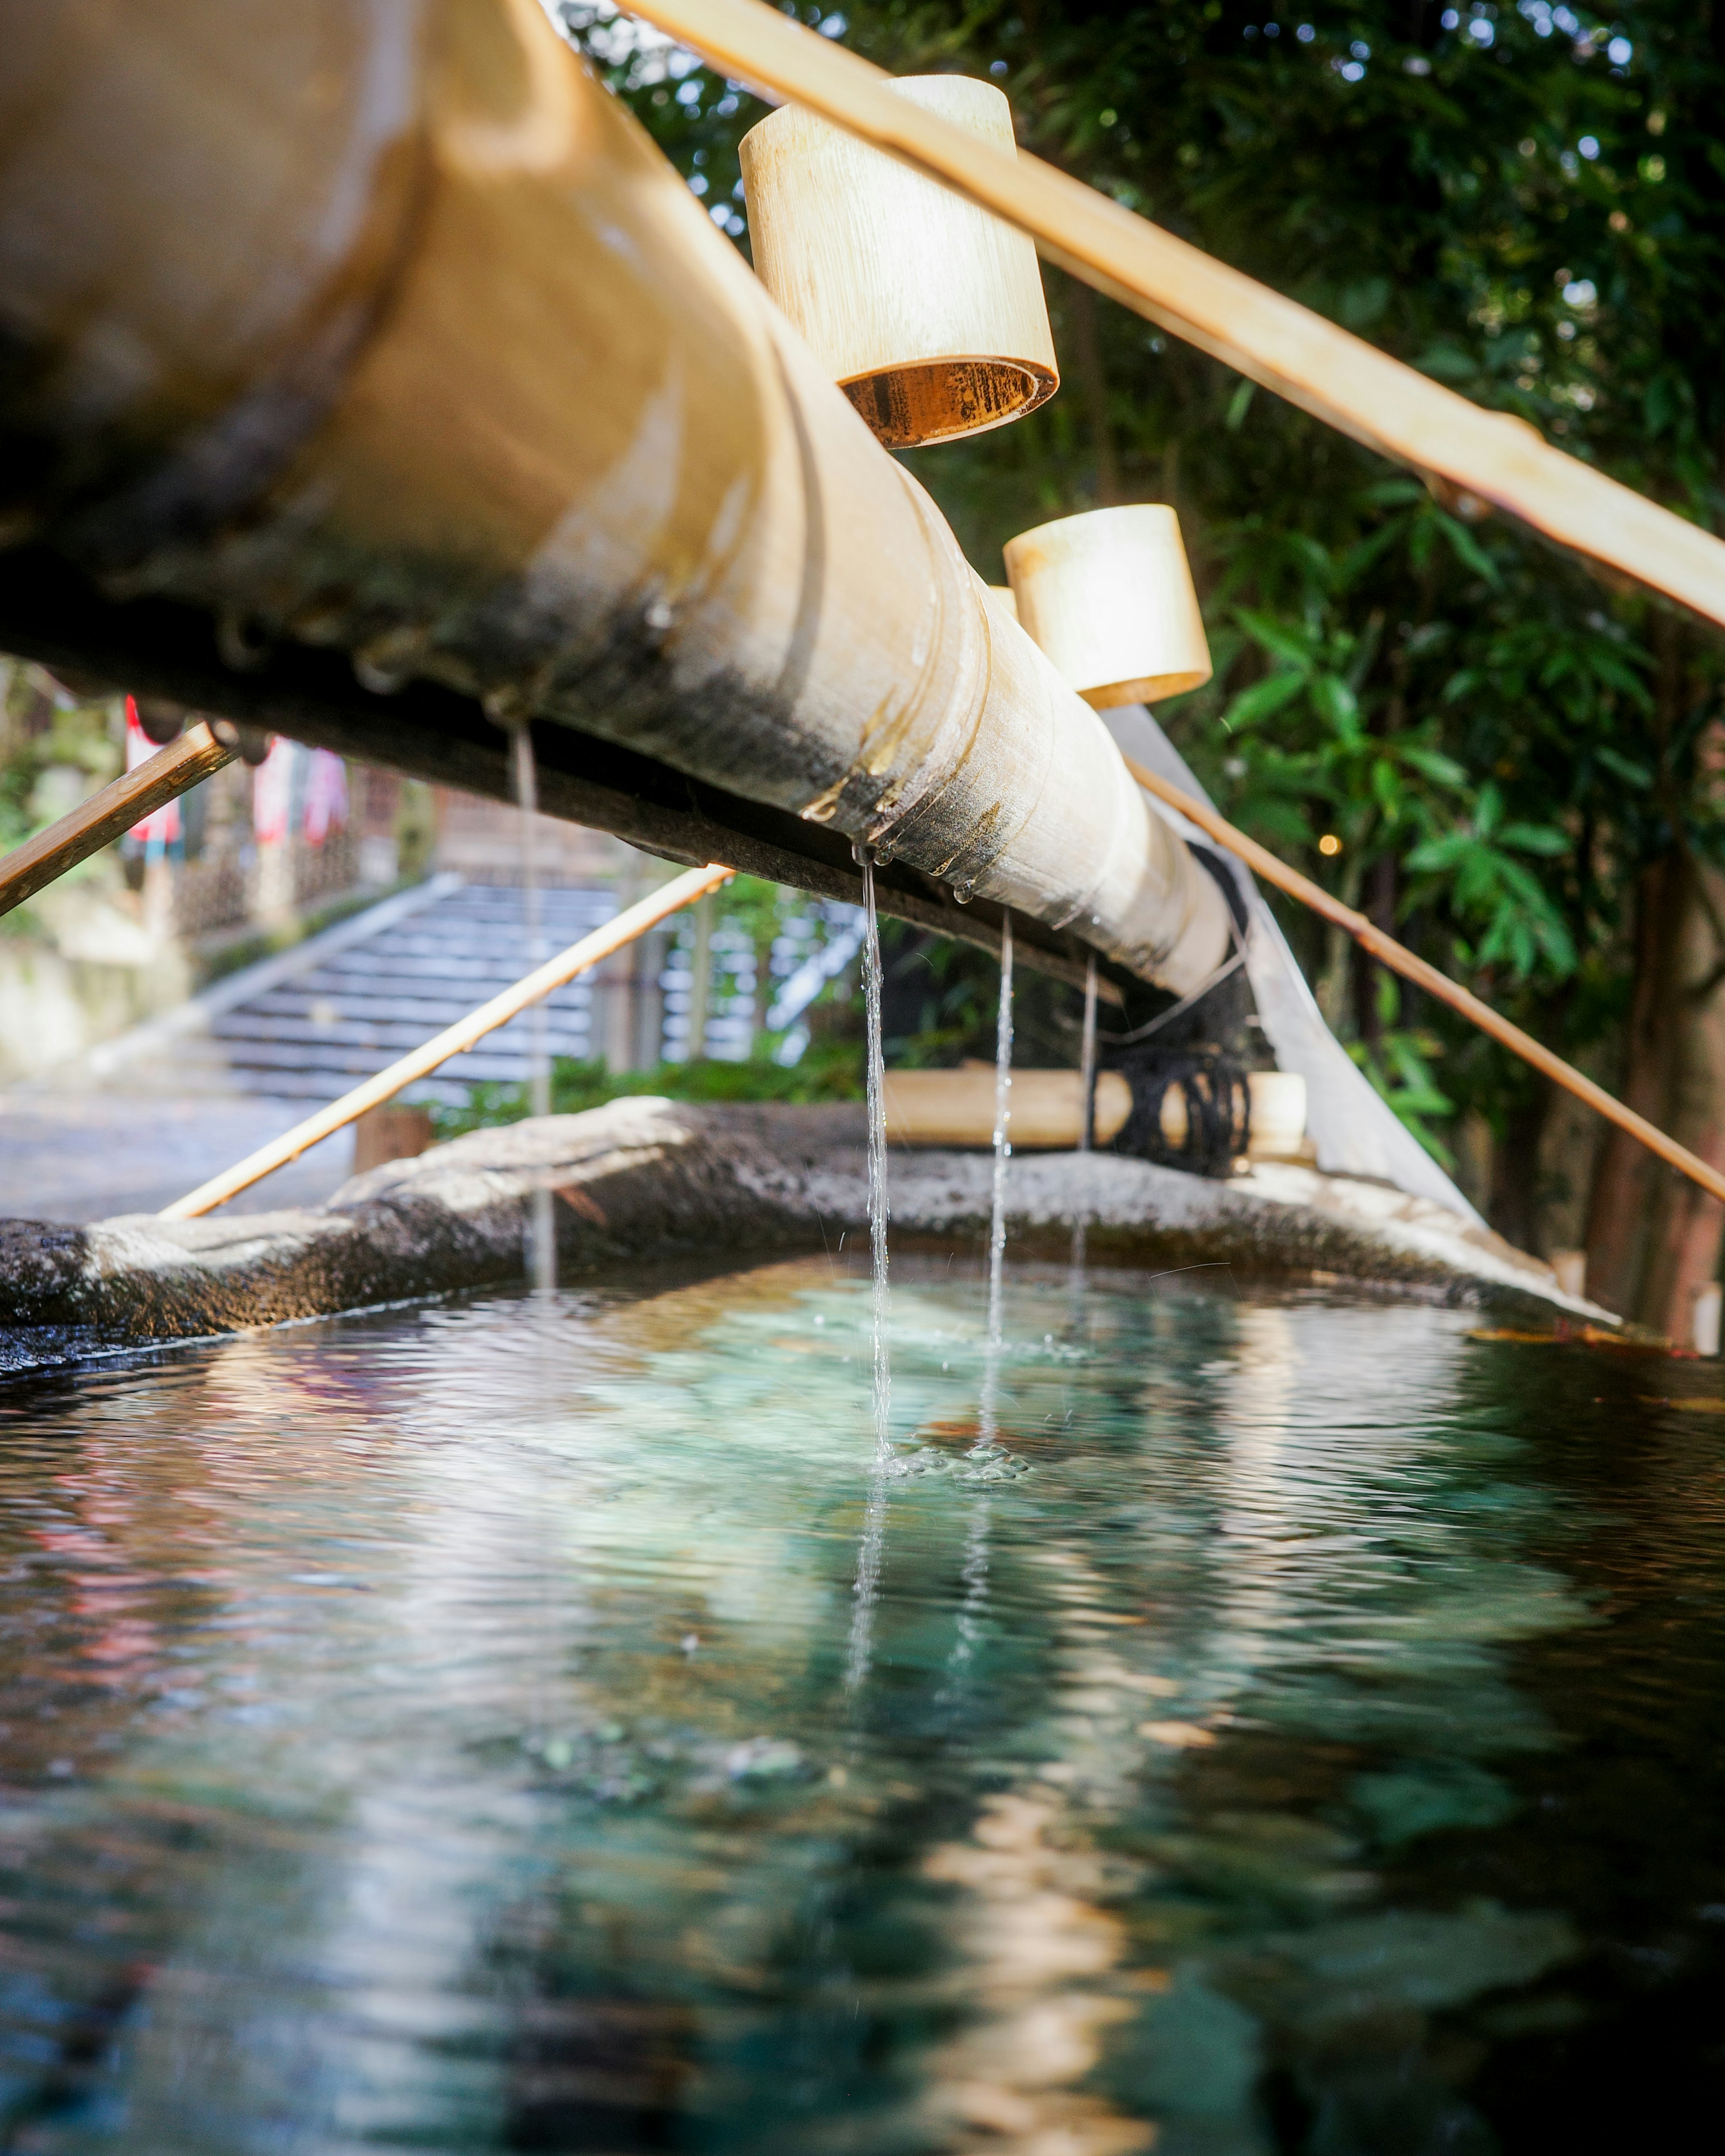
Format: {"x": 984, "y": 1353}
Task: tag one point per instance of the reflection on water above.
{"x": 433, "y": 1732}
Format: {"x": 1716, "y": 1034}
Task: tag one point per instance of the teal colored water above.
{"x": 458, "y": 1729}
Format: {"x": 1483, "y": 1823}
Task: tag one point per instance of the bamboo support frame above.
{"x": 1400, "y": 960}
{"x": 94, "y": 824}
{"x": 420, "y": 1062}
{"x": 958, "y": 1108}
{"x": 1338, "y": 378}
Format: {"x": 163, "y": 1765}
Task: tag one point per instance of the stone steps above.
{"x": 313, "y": 1034}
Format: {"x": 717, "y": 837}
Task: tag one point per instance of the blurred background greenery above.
{"x": 1515, "y": 760}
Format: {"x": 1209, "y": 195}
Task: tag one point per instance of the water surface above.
{"x": 459, "y": 1729}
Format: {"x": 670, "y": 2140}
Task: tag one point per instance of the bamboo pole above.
{"x": 1400, "y": 960}
{"x": 159, "y": 779}
{"x": 1337, "y": 377}
{"x": 420, "y": 1062}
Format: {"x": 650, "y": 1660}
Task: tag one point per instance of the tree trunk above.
{"x": 1684, "y": 1224}
{"x": 1092, "y": 380}
{"x": 1379, "y": 896}
{"x": 1617, "y": 1212}
{"x": 1654, "y": 1238}
{"x": 1514, "y": 1210}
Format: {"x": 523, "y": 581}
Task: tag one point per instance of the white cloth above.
{"x": 1355, "y": 1130}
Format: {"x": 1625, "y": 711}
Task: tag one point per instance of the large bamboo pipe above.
{"x": 1337, "y": 377}
{"x": 420, "y": 1062}
{"x": 114, "y": 810}
{"x": 444, "y": 367}
{"x": 1401, "y": 960}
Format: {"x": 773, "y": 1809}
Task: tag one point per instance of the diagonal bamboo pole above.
{"x": 89, "y": 827}
{"x": 1337, "y": 377}
{"x": 1400, "y": 960}
{"x": 420, "y": 1062}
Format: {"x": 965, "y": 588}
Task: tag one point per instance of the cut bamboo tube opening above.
{"x": 420, "y": 1062}
{"x": 1401, "y": 960}
{"x": 1351, "y": 385}
{"x": 1108, "y": 595}
{"x": 108, "y": 814}
{"x": 928, "y": 313}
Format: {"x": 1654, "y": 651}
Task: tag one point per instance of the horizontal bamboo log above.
{"x": 420, "y": 1062}
{"x": 523, "y": 424}
{"x": 1283, "y": 346}
{"x": 1401, "y": 960}
{"x": 49, "y": 612}
{"x": 109, "y": 813}
{"x": 956, "y": 1108}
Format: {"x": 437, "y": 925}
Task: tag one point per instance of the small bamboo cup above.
{"x": 1108, "y": 596}
{"x": 928, "y": 312}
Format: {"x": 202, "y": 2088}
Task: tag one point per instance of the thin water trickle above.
{"x": 877, "y": 1160}
{"x": 1003, "y": 1126}
{"x": 867, "y": 1565}
{"x": 1087, "y": 1109}
{"x": 1087, "y": 1061}
{"x": 543, "y": 1248}
{"x": 987, "y": 1448}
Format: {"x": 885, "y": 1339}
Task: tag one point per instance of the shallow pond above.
{"x": 1298, "y": 1728}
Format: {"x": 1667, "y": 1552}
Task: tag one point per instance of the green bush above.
{"x": 828, "y": 1071}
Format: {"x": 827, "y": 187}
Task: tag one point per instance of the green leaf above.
{"x": 1466, "y": 548}
{"x": 1431, "y": 763}
{"x": 1632, "y": 774}
{"x": 1263, "y": 698}
{"x": 1533, "y": 839}
{"x": 1279, "y": 638}
{"x": 1337, "y": 702}
{"x": 1448, "y": 363}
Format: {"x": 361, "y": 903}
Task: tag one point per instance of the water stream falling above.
{"x": 1087, "y": 1109}
{"x": 1087, "y": 1061}
{"x": 987, "y": 1448}
{"x": 1003, "y": 1125}
{"x": 543, "y": 1248}
{"x": 868, "y": 1566}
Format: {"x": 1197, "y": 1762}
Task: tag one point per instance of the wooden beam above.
{"x": 1340, "y": 379}
{"x": 93, "y": 824}
{"x": 1401, "y": 960}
